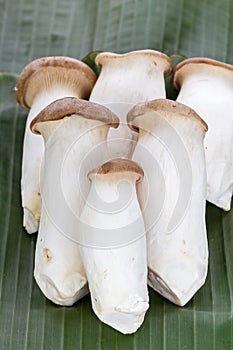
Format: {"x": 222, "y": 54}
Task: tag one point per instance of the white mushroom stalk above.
{"x": 40, "y": 83}
{"x": 71, "y": 128}
{"x": 172, "y": 196}
{"x": 206, "y": 86}
{"x": 124, "y": 80}
{"x": 113, "y": 246}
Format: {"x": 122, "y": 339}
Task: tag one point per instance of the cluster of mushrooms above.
{"x": 117, "y": 185}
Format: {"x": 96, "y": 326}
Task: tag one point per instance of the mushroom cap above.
{"x": 164, "y": 105}
{"x": 118, "y": 165}
{"x": 68, "y": 106}
{"x": 157, "y": 56}
{"x": 190, "y": 63}
{"x": 61, "y": 69}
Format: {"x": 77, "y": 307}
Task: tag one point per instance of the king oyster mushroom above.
{"x": 113, "y": 246}
{"x": 206, "y": 85}
{"x": 71, "y": 128}
{"x": 172, "y": 196}
{"x": 124, "y": 80}
{"x": 42, "y": 81}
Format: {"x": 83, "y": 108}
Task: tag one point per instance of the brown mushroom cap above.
{"x": 166, "y": 105}
{"x": 155, "y": 55}
{"x": 44, "y": 71}
{"x": 68, "y": 106}
{"x": 118, "y": 165}
{"x": 189, "y": 63}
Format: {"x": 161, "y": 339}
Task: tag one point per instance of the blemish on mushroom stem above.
{"x": 105, "y": 273}
{"x": 47, "y": 254}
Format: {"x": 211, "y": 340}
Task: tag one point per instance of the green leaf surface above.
{"x": 31, "y": 29}
{"x": 89, "y": 59}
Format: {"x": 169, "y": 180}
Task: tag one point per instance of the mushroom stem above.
{"x": 40, "y": 83}
{"x": 172, "y": 196}
{"x": 124, "y": 80}
{"x": 72, "y": 130}
{"x": 113, "y": 246}
{"x": 207, "y": 86}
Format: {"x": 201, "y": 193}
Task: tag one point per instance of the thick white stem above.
{"x": 59, "y": 271}
{"x": 125, "y": 80}
{"x": 33, "y": 149}
{"x": 172, "y": 198}
{"x": 121, "y": 141}
{"x": 209, "y": 91}
{"x": 68, "y": 157}
{"x": 117, "y": 276}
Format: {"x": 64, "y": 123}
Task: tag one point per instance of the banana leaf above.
{"x": 31, "y": 29}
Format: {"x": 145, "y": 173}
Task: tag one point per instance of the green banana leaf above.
{"x": 31, "y": 29}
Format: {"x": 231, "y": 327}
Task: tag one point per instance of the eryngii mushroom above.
{"x": 41, "y": 82}
{"x": 113, "y": 246}
{"x": 172, "y": 196}
{"x": 124, "y": 80}
{"x": 206, "y": 86}
{"x": 70, "y": 128}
